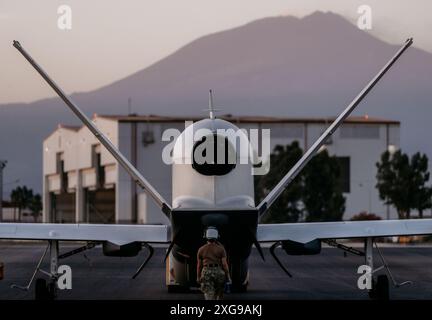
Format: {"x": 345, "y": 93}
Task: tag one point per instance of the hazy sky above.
{"x": 111, "y": 39}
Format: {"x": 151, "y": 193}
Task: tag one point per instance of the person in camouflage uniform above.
{"x": 212, "y": 266}
{"x": 213, "y": 283}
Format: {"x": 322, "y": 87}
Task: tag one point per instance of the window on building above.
{"x": 359, "y": 131}
{"x": 97, "y": 165}
{"x": 100, "y": 172}
{"x": 287, "y": 130}
{"x": 64, "y": 182}
{"x": 64, "y": 178}
{"x": 344, "y": 180}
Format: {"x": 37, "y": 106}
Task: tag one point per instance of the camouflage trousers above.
{"x": 212, "y": 282}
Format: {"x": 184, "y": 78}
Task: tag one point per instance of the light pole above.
{"x": 362, "y": 185}
{"x": 391, "y": 148}
{"x": 2, "y": 165}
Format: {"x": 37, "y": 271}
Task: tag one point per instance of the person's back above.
{"x": 212, "y": 253}
{"x": 212, "y": 267}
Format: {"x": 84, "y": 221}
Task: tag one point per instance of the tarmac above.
{"x": 328, "y": 276}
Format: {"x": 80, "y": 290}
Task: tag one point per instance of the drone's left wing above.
{"x": 305, "y": 232}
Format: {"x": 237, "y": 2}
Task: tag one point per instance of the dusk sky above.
{"x": 110, "y": 39}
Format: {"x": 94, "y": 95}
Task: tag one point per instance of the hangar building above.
{"x": 83, "y": 183}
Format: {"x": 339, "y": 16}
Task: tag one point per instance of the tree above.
{"x": 401, "y": 181}
{"x": 286, "y": 208}
{"x": 364, "y": 216}
{"x": 35, "y": 206}
{"x": 322, "y": 193}
{"x": 316, "y": 191}
{"x": 21, "y": 197}
{"x": 422, "y": 197}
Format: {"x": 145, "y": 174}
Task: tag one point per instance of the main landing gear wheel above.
{"x": 44, "y": 290}
{"x": 380, "y": 288}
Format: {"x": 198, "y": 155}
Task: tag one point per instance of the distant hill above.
{"x": 274, "y": 66}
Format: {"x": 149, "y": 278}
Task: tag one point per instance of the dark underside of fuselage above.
{"x": 237, "y": 230}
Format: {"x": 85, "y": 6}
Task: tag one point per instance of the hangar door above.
{"x": 63, "y": 207}
{"x": 100, "y": 206}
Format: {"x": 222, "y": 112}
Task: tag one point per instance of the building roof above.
{"x": 63, "y": 126}
{"x": 228, "y": 117}
{"x": 245, "y": 119}
{"x": 72, "y": 128}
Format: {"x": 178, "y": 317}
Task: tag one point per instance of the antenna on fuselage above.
{"x": 211, "y": 109}
{"x": 211, "y": 105}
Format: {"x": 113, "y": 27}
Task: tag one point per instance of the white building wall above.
{"x": 63, "y": 140}
{"x": 364, "y": 153}
{"x": 124, "y": 194}
{"x": 86, "y": 140}
{"x": 77, "y": 149}
{"x": 151, "y": 165}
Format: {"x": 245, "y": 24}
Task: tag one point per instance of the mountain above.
{"x": 281, "y": 66}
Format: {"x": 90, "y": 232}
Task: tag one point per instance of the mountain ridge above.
{"x": 276, "y": 66}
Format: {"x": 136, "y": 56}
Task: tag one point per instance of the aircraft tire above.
{"x": 380, "y": 288}
{"x": 41, "y": 289}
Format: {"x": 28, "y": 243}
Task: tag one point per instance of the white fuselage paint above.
{"x": 193, "y": 190}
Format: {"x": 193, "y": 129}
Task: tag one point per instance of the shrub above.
{"x": 365, "y": 216}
